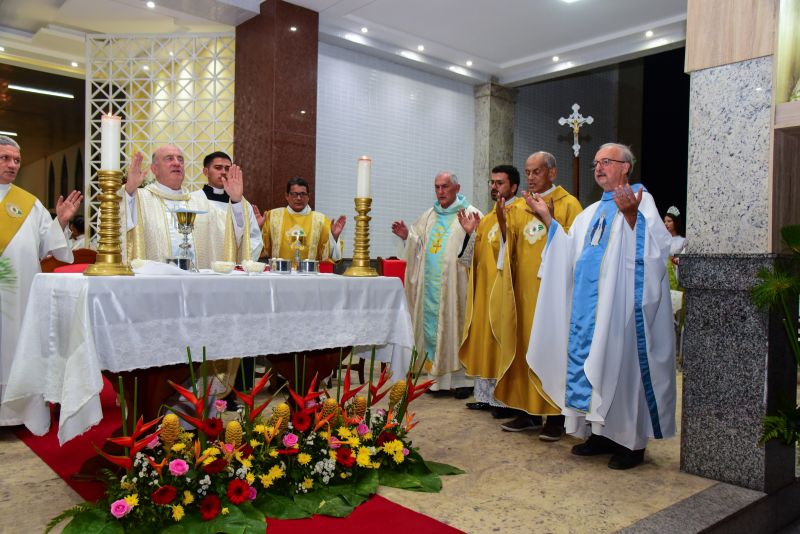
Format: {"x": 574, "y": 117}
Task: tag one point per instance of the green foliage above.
{"x": 791, "y": 234}
{"x": 785, "y": 426}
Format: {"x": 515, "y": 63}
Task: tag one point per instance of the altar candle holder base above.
{"x": 361, "y": 265}
{"x": 109, "y": 250}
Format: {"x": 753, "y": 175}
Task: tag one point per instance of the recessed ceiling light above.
{"x": 74, "y": 63}
{"x": 293, "y": 29}
{"x": 39, "y": 91}
{"x": 302, "y": 112}
{"x": 555, "y": 59}
{"x": 2, "y": 48}
{"x": 151, "y": 5}
{"x": 364, "y": 29}
{"x": 648, "y": 34}
{"x": 145, "y": 67}
{"x": 12, "y": 134}
{"x": 420, "y": 48}
{"x": 569, "y": 1}
{"x": 469, "y": 63}
{"x": 408, "y": 54}
{"x": 172, "y": 54}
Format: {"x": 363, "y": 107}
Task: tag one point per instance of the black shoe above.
{"x": 462, "y": 393}
{"x": 504, "y": 413}
{"x": 479, "y": 406}
{"x": 626, "y": 458}
{"x": 595, "y": 445}
{"x": 553, "y": 428}
{"x": 522, "y": 423}
{"x": 441, "y": 393}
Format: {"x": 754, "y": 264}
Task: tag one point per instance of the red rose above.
{"x": 301, "y": 421}
{"x": 216, "y": 466}
{"x": 246, "y": 451}
{"x": 384, "y": 437}
{"x": 238, "y": 491}
{"x": 210, "y": 507}
{"x": 212, "y": 427}
{"x": 163, "y": 495}
{"x": 344, "y": 456}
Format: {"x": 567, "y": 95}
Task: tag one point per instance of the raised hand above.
{"x": 337, "y": 226}
{"x": 258, "y": 215}
{"x": 233, "y": 184}
{"x": 540, "y": 207}
{"x": 628, "y": 202}
{"x": 66, "y": 208}
{"x": 400, "y": 230}
{"x": 468, "y": 221}
{"x": 136, "y": 174}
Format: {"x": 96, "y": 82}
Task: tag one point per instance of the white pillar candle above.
{"x": 362, "y": 179}
{"x": 109, "y": 142}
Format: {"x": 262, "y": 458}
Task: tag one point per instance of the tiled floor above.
{"x": 514, "y": 482}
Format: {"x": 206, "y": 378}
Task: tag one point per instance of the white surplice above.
{"x": 38, "y": 236}
{"x": 632, "y": 386}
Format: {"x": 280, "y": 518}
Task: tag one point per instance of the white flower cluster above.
{"x": 301, "y": 488}
{"x": 241, "y": 472}
{"x": 204, "y": 482}
{"x": 324, "y": 469}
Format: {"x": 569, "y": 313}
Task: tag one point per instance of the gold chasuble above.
{"x": 480, "y": 350}
{"x": 14, "y": 209}
{"x": 526, "y": 237}
{"x": 213, "y": 237}
{"x": 282, "y": 226}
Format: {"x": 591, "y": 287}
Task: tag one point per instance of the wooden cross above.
{"x": 575, "y": 121}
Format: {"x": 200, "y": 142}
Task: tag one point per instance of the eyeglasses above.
{"x": 605, "y": 162}
{"x": 295, "y": 194}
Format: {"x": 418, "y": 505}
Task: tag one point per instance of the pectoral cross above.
{"x": 575, "y": 121}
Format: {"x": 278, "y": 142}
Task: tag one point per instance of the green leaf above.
{"x": 94, "y": 521}
{"x": 335, "y": 507}
{"x": 443, "y": 469}
{"x": 791, "y": 234}
{"x": 241, "y": 519}
{"x": 279, "y": 507}
{"x": 411, "y": 481}
{"x": 367, "y": 483}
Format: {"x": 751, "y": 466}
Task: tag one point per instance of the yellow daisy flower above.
{"x": 250, "y": 478}
{"x": 177, "y": 512}
{"x": 178, "y": 447}
{"x": 188, "y": 498}
{"x": 308, "y": 483}
{"x": 303, "y": 458}
{"x": 132, "y": 500}
{"x": 225, "y": 511}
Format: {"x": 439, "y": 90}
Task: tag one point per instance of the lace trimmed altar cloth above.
{"x": 77, "y": 326}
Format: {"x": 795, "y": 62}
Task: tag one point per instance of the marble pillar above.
{"x": 736, "y": 363}
{"x": 494, "y": 136}
{"x": 276, "y": 100}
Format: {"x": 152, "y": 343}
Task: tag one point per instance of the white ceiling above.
{"x": 512, "y": 41}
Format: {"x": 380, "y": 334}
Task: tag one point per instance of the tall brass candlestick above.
{"x": 360, "y": 265}
{"x": 109, "y": 251}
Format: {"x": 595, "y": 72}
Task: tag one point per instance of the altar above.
{"x": 75, "y": 327}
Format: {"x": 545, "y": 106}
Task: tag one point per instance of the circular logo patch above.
{"x": 13, "y": 210}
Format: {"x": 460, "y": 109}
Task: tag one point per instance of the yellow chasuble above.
{"x": 480, "y": 349}
{"x": 14, "y": 209}
{"x": 526, "y": 237}
{"x": 282, "y": 226}
{"x": 213, "y": 237}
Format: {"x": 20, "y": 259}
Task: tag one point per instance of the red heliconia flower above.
{"x": 212, "y": 427}
{"x": 384, "y": 437}
{"x": 288, "y": 452}
{"x": 164, "y": 495}
{"x": 238, "y": 491}
{"x": 344, "y": 456}
{"x": 246, "y": 451}
{"x": 301, "y": 421}
{"x": 210, "y": 507}
{"x": 216, "y": 466}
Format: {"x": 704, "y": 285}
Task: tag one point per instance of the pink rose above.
{"x": 229, "y": 448}
{"x": 362, "y": 429}
{"x": 289, "y": 440}
{"x": 120, "y": 508}
{"x": 221, "y": 405}
{"x": 178, "y": 467}
{"x": 251, "y": 494}
{"x": 405, "y": 451}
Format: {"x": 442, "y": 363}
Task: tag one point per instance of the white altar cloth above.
{"x": 76, "y": 326}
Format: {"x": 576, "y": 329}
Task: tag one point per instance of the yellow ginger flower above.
{"x": 329, "y": 406}
{"x": 170, "y": 430}
{"x": 132, "y": 500}
{"x": 177, "y": 512}
{"x": 188, "y": 498}
{"x": 233, "y": 433}
{"x": 359, "y": 405}
{"x": 283, "y": 412}
{"x": 303, "y": 458}
{"x": 396, "y": 393}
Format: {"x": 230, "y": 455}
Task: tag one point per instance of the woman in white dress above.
{"x": 674, "y": 224}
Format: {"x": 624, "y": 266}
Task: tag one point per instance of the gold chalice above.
{"x": 298, "y": 245}
{"x": 185, "y": 219}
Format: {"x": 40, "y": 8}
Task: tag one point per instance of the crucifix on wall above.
{"x": 575, "y": 121}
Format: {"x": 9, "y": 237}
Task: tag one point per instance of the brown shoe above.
{"x": 553, "y": 428}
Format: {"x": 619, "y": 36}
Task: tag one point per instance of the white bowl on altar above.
{"x": 222, "y": 267}
{"x": 253, "y": 266}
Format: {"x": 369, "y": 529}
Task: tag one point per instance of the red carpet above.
{"x": 375, "y": 515}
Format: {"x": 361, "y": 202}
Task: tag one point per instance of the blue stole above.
{"x": 435, "y": 245}
{"x": 586, "y": 279}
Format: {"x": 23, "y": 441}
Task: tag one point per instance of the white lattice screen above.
{"x": 175, "y": 89}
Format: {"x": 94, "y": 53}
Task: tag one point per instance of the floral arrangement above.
{"x": 318, "y": 453}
